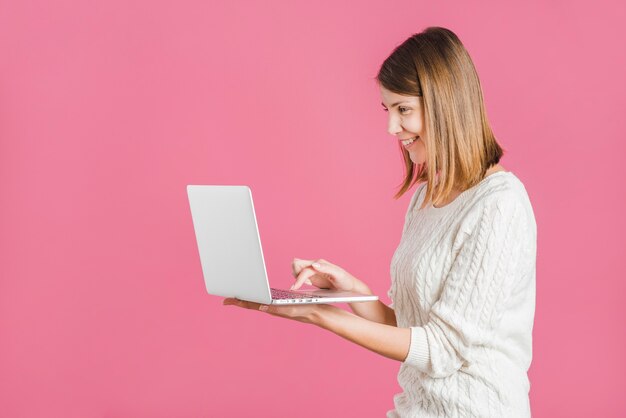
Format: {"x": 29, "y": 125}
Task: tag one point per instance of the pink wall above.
{"x": 109, "y": 109}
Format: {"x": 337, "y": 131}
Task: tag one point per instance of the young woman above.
{"x": 463, "y": 275}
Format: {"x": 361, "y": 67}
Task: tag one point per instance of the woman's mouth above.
{"x": 407, "y": 142}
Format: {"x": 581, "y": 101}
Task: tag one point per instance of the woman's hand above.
{"x": 389, "y": 341}
{"x": 325, "y": 275}
{"x": 307, "y": 313}
{"x": 319, "y": 273}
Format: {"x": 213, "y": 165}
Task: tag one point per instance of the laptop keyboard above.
{"x": 286, "y": 294}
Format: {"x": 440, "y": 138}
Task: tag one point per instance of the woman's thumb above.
{"x": 319, "y": 266}
{"x": 324, "y": 267}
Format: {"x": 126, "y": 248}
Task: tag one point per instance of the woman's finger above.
{"x": 309, "y": 276}
{"x": 241, "y": 303}
{"x": 248, "y": 305}
{"x": 305, "y": 274}
{"x": 326, "y": 268}
{"x": 236, "y": 302}
{"x": 298, "y": 264}
{"x": 337, "y": 276}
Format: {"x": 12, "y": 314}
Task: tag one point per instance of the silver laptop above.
{"x": 230, "y": 250}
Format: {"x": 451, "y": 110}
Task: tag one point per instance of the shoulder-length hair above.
{"x": 460, "y": 145}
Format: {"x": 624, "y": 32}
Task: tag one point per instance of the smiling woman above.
{"x": 463, "y": 274}
{"x": 434, "y": 75}
{"x": 407, "y": 123}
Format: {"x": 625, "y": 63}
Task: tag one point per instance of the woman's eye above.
{"x": 402, "y": 109}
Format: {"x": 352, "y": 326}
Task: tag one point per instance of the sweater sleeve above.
{"x": 475, "y": 290}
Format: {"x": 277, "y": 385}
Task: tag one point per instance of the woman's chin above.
{"x": 416, "y": 161}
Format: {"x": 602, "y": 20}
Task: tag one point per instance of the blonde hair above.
{"x": 460, "y": 145}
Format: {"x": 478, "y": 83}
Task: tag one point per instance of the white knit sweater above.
{"x": 463, "y": 280}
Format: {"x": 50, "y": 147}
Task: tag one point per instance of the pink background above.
{"x": 109, "y": 109}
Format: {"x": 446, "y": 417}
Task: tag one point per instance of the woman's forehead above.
{"x": 395, "y": 97}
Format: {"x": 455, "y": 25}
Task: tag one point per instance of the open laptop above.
{"x": 230, "y": 250}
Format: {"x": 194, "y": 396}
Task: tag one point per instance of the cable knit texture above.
{"x": 463, "y": 280}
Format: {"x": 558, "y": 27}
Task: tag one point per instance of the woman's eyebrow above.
{"x": 395, "y": 104}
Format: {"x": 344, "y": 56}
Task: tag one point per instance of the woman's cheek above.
{"x": 414, "y": 124}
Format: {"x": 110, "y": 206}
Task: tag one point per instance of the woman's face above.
{"x": 406, "y": 121}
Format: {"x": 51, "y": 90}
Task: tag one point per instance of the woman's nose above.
{"x": 394, "y": 128}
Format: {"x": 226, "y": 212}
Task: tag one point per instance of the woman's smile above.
{"x": 407, "y": 142}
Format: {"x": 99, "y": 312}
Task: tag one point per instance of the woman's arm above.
{"x": 387, "y": 340}
{"x": 375, "y": 311}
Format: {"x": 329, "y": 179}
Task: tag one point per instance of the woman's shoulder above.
{"x": 501, "y": 187}
{"x": 502, "y": 193}
{"x": 501, "y": 190}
